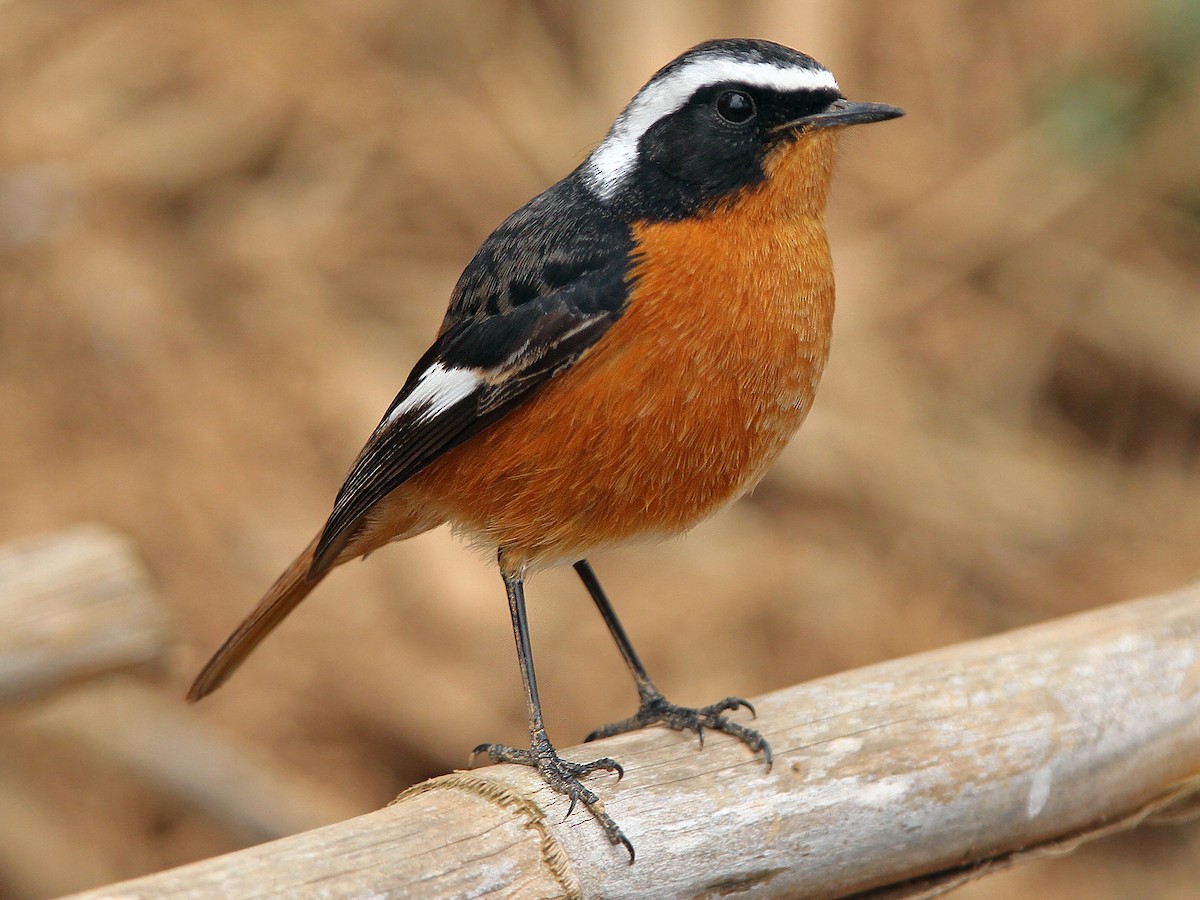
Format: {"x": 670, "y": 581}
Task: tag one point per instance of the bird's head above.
{"x": 725, "y": 118}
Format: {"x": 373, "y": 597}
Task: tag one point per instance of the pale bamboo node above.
{"x": 899, "y": 779}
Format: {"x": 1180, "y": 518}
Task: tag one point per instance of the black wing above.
{"x": 540, "y": 291}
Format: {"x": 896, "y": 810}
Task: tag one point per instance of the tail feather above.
{"x": 285, "y": 594}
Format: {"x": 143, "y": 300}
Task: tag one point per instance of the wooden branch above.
{"x": 76, "y": 604}
{"x": 73, "y": 605}
{"x": 900, "y": 779}
{"x": 152, "y": 733}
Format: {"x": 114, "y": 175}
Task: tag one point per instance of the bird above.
{"x": 623, "y": 356}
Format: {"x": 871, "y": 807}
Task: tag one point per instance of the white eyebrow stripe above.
{"x": 436, "y": 391}
{"x": 614, "y": 159}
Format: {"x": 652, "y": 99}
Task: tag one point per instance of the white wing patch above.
{"x": 436, "y": 391}
{"x": 614, "y": 159}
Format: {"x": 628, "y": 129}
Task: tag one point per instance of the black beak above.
{"x": 844, "y": 112}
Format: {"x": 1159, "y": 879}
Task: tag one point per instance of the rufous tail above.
{"x": 285, "y": 594}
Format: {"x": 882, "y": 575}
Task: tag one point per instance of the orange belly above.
{"x": 677, "y": 410}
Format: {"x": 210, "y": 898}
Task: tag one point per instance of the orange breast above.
{"x": 677, "y": 410}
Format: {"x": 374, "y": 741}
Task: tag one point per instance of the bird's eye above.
{"x": 736, "y": 107}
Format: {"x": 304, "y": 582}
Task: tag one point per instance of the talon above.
{"x": 607, "y": 764}
{"x": 621, "y": 839}
{"x": 564, "y": 776}
{"x": 729, "y": 704}
{"x": 655, "y": 710}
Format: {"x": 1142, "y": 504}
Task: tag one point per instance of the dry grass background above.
{"x": 228, "y": 228}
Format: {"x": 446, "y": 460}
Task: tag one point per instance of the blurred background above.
{"x": 228, "y": 229}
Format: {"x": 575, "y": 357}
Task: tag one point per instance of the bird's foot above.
{"x": 657, "y": 710}
{"x": 563, "y": 776}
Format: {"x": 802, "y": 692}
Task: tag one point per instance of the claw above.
{"x": 607, "y": 764}
{"x": 768, "y": 757}
{"x": 564, "y": 776}
{"x": 628, "y": 846}
{"x": 655, "y": 709}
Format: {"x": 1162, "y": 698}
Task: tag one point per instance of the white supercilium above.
{"x": 612, "y": 161}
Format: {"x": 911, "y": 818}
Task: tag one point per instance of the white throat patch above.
{"x": 612, "y": 161}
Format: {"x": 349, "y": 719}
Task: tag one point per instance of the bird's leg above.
{"x": 561, "y": 774}
{"x": 654, "y": 708}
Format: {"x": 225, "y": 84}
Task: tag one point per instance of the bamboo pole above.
{"x": 900, "y": 779}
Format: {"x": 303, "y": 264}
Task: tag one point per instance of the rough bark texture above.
{"x": 899, "y": 779}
